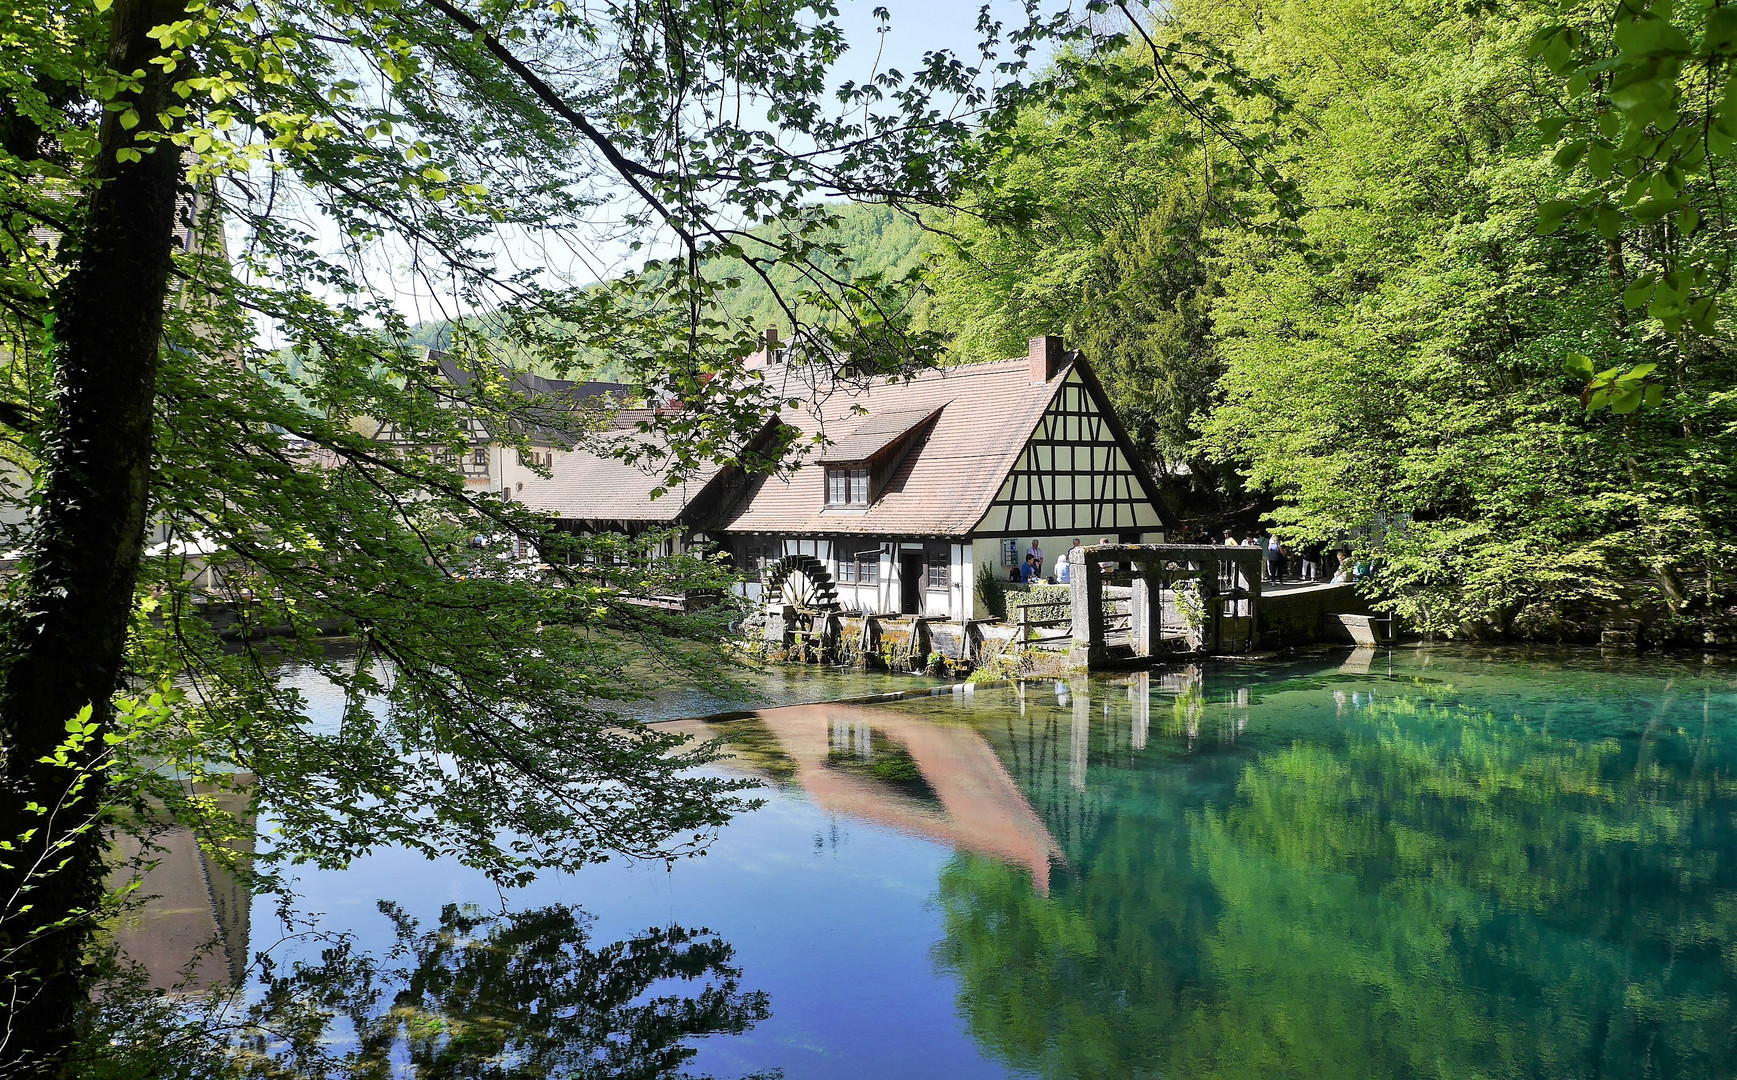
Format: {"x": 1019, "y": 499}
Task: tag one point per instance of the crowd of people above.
{"x": 1030, "y": 571}
{"x": 1310, "y": 563}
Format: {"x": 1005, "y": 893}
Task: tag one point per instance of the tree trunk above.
{"x": 1618, "y": 268}
{"x": 65, "y": 643}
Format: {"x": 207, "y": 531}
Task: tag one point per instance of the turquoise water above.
{"x": 1430, "y": 863}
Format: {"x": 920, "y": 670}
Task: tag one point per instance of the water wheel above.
{"x": 800, "y": 582}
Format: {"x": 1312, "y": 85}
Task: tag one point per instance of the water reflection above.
{"x": 191, "y": 931}
{"x": 1369, "y": 879}
{"x": 521, "y": 996}
{"x": 939, "y": 782}
{"x": 1383, "y": 865}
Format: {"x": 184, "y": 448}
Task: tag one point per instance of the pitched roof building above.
{"x": 918, "y": 484}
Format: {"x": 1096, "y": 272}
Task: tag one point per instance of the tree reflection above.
{"x": 1417, "y": 891}
{"x": 521, "y": 996}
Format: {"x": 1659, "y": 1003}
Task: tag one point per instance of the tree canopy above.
{"x": 213, "y": 215}
{"x": 1396, "y": 350}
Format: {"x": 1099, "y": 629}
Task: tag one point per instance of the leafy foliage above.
{"x": 1377, "y": 349}
{"x": 322, "y": 158}
{"x": 1650, "y": 117}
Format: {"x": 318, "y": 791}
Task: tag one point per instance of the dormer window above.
{"x": 847, "y": 487}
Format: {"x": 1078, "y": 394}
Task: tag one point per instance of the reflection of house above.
{"x": 921, "y": 483}
{"x": 967, "y": 798}
{"x": 194, "y": 921}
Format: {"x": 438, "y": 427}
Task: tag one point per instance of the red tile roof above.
{"x": 966, "y": 425}
{"x": 586, "y": 485}
{"x": 948, "y": 478}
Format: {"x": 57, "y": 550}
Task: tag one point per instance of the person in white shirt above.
{"x": 1063, "y": 570}
{"x": 1035, "y": 551}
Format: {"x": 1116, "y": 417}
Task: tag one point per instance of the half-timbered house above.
{"x": 919, "y": 484}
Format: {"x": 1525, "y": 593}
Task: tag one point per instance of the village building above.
{"x": 917, "y": 485}
{"x": 542, "y": 408}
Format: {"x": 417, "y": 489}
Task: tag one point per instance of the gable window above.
{"x": 479, "y": 456}
{"x": 847, "y": 487}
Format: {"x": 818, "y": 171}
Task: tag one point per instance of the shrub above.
{"x": 991, "y": 592}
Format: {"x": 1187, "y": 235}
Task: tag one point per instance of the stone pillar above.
{"x": 1146, "y": 608}
{"x": 1140, "y": 616}
{"x": 1254, "y": 605}
{"x": 1088, "y": 607}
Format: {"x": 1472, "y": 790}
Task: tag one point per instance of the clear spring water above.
{"x": 1429, "y": 863}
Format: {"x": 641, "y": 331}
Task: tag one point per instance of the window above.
{"x": 759, "y": 554}
{"x": 937, "y": 559}
{"x": 860, "y": 567}
{"x": 847, "y": 487}
{"x": 479, "y": 456}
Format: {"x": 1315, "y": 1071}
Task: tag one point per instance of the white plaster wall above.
{"x": 1054, "y": 547}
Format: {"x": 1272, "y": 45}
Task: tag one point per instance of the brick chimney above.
{"x": 768, "y": 352}
{"x": 1045, "y": 356}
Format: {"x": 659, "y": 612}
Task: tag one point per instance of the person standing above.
{"x": 1064, "y": 569}
{"x": 1230, "y": 539}
{"x": 1035, "y": 551}
{"x": 1275, "y": 560}
{"x": 1106, "y": 541}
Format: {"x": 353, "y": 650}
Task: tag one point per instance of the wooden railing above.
{"x": 1028, "y": 623}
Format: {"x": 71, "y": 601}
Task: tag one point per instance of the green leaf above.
{"x": 1654, "y": 209}
{"x": 1638, "y": 290}
{"x": 1626, "y": 401}
{"x": 1552, "y": 127}
{"x": 1540, "y": 39}
{"x": 1600, "y": 159}
{"x": 1550, "y": 215}
{"x": 1569, "y": 154}
{"x": 1609, "y": 222}
{"x": 1643, "y": 95}
{"x": 1721, "y": 36}
{"x": 1651, "y": 38}
{"x": 1654, "y": 396}
{"x": 1557, "y": 54}
{"x": 1579, "y": 365}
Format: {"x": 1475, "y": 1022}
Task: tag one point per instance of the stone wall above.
{"x": 1301, "y": 616}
